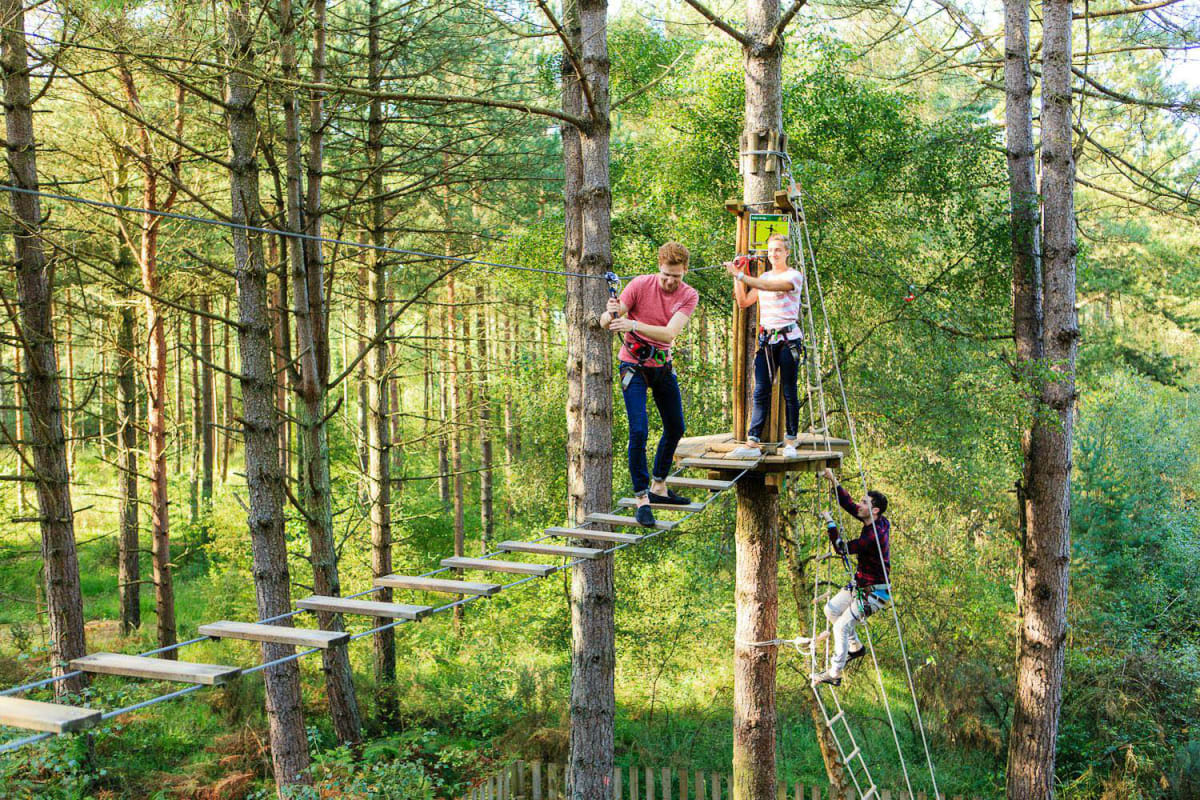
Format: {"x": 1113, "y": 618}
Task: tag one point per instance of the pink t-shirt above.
{"x": 650, "y": 305}
{"x": 779, "y": 309}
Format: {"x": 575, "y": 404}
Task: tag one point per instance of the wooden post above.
{"x": 537, "y": 780}
{"x": 520, "y": 768}
{"x": 616, "y": 789}
{"x": 633, "y": 782}
{"x": 887, "y": 794}
{"x": 649, "y": 783}
{"x": 781, "y": 791}
{"x": 666, "y": 783}
{"x": 699, "y": 785}
{"x": 715, "y": 781}
{"x": 683, "y": 784}
{"x": 742, "y": 343}
{"x": 552, "y": 783}
{"x": 816, "y": 793}
{"x": 799, "y": 791}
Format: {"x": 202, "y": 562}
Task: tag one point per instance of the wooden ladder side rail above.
{"x": 276, "y": 634}
{"x": 156, "y": 668}
{"x": 33, "y": 715}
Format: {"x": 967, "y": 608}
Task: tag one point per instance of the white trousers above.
{"x": 844, "y": 612}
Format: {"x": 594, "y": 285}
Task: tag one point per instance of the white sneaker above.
{"x": 746, "y": 451}
{"x": 789, "y": 451}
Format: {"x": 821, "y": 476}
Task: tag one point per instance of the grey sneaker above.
{"x": 827, "y": 677}
{"x": 750, "y": 450}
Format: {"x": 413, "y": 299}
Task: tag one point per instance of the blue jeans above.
{"x": 662, "y": 384}
{"x": 787, "y": 367}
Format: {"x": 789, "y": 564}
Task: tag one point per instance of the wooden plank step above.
{"x": 32, "y": 715}
{"x": 631, "y": 502}
{"x": 366, "y": 608}
{"x": 438, "y": 585}
{"x": 277, "y": 634}
{"x": 728, "y": 464}
{"x": 629, "y": 522}
{"x": 496, "y": 565}
{"x": 550, "y": 549}
{"x": 698, "y": 483}
{"x": 598, "y": 536}
{"x": 155, "y": 668}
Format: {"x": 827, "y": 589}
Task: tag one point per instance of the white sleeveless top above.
{"x": 779, "y": 309}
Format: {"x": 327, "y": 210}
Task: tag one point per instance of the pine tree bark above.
{"x": 208, "y": 445}
{"x": 1045, "y": 549}
{"x": 194, "y": 461}
{"x": 379, "y": 441}
{"x": 757, "y": 534}
{"x": 487, "y": 518}
{"x": 260, "y": 418}
{"x": 128, "y": 568}
{"x": 593, "y": 595}
{"x": 226, "y": 400}
{"x": 156, "y": 358}
{"x": 40, "y": 380}
{"x": 310, "y": 310}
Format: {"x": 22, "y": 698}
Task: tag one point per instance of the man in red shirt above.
{"x": 652, "y": 310}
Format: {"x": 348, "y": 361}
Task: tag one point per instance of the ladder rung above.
{"x": 496, "y": 565}
{"x": 730, "y": 464}
{"x": 699, "y": 483}
{"x": 278, "y": 634}
{"x": 367, "y": 608}
{"x": 155, "y": 668}
{"x": 550, "y": 549}
{"x": 33, "y": 715}
{"x": 852, "y": 754}
{"x": 437, "y": 585}
{"x": 830, "y": 722}
{"x": 869, "y": 793}
{"x": 629, "y": 522}
{"x": 599, "y": 536}
{"x": 631, "y": 502}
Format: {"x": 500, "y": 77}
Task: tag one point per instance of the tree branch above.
{"x": 720, "y": 24}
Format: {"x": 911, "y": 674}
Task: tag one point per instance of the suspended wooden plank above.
{"x": 699, "y": 483}
{"x": 33, "y": 715}
{"x": 631, "y": 502}
{"x": 550, "y": 549}
{"x": 629, "y": 522}
{"x": 442, "y": 585}
{"x": 366, "y": 608}
{"x": 496, "y": 565}
{"x": 277, "y": 634}
{"x": 728, "y": 464}
{"x": 598, "y": 536}
{"x": 155, "y": 668}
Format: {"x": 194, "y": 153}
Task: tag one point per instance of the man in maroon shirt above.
{"x": 870, "y": 590}
{"x": 652, "y": 310}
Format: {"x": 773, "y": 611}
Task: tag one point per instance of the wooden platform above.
{"x": 32, "y": 715}
{"x": 628, "y": 522}
{"x": 814, "y": 453}
{"x": 496, "y": 565}
{"x": 276, "y": 634}
{"x": 155, "y": 668}
{"x": 546, "y": 549}
{"x": 442, "y": 585}
{"x": 698, "y": 483}
{"x": 631, "y": 502}
{"x": 366, "y": 608}
{"x": 598, "y": 536}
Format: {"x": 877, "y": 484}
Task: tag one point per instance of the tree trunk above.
{"x": 197, "y": 413}
{"x": 207, "y": 409}
{"x": 379, "y": 441}
{"x": 128, "y": 569}
{"x": 156, "y": 373}
{"x": 260, "y": 419}
{"x": 72, "y": 431}
{"x": 35, "y": 292}
{"x": 19, "y": 422}
{"x": 227, "y": 400}
{"x": 1045, "y": 550}
{"x": 487, "y": 519}
{"x": 593, "y": 596}
{"x": 757, "y": 535}
{"x": 312, "y": 345}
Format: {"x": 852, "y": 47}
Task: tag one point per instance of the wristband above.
{"x": 634, "y": 328}
{"x": 740, "y": 277}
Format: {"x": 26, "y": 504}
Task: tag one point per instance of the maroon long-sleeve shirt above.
{"x": 870, "y": 569}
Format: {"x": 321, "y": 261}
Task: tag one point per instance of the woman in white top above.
{"x": 780, "y": 340}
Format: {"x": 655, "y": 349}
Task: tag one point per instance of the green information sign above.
{"x": 762, "y": 226}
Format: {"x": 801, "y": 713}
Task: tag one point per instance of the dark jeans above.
{"x": 661, "y": 382}
{"x": 787, "y": 367}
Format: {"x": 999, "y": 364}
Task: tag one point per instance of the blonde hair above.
{"x": 782, "y": 238}
{"x": 674, "y": 254}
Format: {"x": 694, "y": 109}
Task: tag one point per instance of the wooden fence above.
{"x": 536, "y": 780}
